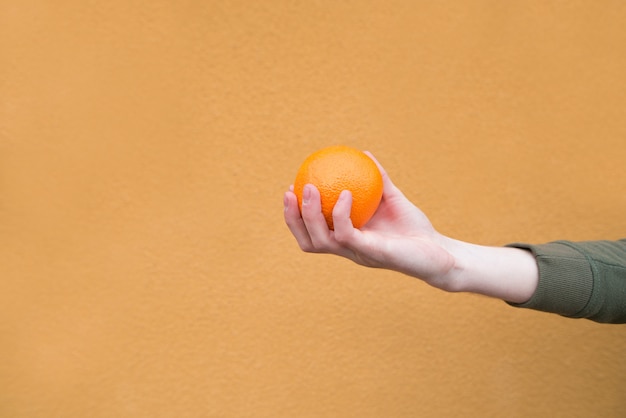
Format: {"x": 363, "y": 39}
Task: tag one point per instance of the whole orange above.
{"x": 337, "y": 168}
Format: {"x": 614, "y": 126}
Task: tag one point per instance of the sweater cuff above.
{"x": 565, "y": 279}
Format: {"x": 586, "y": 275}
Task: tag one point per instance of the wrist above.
{"x": 506, "y": 273}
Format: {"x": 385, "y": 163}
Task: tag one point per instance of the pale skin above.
{"x": 400, "y": 237}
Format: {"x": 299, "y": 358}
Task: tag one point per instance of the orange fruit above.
{"x": 337, "y": 168}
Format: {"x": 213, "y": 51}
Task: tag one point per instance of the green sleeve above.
{"x": 580, "y": 279}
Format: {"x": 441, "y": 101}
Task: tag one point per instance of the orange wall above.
{"x": 144, "y": 149}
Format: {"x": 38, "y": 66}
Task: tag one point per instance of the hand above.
{"x": 398, "y": 237}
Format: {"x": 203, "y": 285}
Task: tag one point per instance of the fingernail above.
{"x": 306, "y": 194}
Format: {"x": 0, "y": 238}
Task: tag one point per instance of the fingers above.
{"x": 354, "y": 243}
{"x": 314, "y": 219}
{"x": 295, "y": 223}
{"x": 309, "y": 226}
{"x": 344, "y": 230}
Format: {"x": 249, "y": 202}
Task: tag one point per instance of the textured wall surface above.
{"x": 145, "y": 270}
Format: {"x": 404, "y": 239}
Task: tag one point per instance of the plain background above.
{"x": 145, "y": 269}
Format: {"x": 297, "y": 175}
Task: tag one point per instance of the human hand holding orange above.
{"x": 400, "y": 237}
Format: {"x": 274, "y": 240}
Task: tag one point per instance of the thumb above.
{"x": 388, "y": 186}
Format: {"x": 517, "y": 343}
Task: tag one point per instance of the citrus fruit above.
{"x": 337, "y": 168}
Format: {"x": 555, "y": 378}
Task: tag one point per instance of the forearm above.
{"x": 510, "y": 274}
{"x": 573, "y": 279}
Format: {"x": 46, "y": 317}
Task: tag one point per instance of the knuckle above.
{"x": 307, "y": 247}
{"x": 309, "y": 216}
{"x": 316, "y": 248}
{"x": 343, "y": 236}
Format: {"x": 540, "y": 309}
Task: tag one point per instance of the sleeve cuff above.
{"x": 565, "y": 279}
